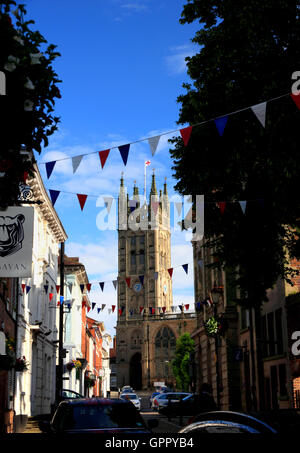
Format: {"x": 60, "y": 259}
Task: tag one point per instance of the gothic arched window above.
{"x": 165, "y": 345}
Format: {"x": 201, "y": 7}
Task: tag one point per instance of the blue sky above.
{"x": 122, "y": 69}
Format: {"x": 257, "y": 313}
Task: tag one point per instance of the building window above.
{"x": 278, "y": 326}
{"x": 165, "y": 345}
{"x": 133, "y": 241}
{"x": 142, "y": 257}
{"x": 142, "y": 241}
{"x": 133, "y": 259}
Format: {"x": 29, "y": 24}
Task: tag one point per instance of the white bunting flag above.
{"x": 109, "y": 311}
{"x": 76, "y": 162}
{"x": 115, "y": 283}
{"x": 260, "y": 112}
{"x": 153, "y": 142}
{"x": 243, "y": 205}
{"x": 108, "y": 202}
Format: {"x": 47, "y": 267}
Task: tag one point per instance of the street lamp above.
{"x": 216, "y": 293}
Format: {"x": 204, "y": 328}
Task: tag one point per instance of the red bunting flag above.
{"x": 128, "y": 280}
{"x": 23, "y": 287}
{"x": 170, "y": 271}
{"x": 163, "y": 309}
{"x": 141, "y": 309}
{"x": 88, "y": 286}
{"x": 113, "y": 308}
{"x": 103, "y": 156}
{"x": 187, "y": 306}
{"x": 88, "y": 309}
{"x": 296, "y": 99}
{"x": 185, "y": 134}
{"x": 222, "y": 206}
{"x": 83, "y": 303}
{"x": 25, "y": 176}
{"x": 57, "y": 288}
{"x": 82, "y": 200}
{"x": 50, "y": 296}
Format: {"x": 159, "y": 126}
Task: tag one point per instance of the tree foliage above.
{"x": 248, "y": 52}
{"x": 31, "y": 88}
{"x": 180, "y": 365}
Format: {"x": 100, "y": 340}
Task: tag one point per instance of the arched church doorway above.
{"x": 135, "y": 371}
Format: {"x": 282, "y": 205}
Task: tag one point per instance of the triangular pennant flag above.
{"x": 243, "y": 205}
{"x": 260, "y": 111}
{"x": 49, "y": 168}
{"x": 141, "y": 278}
{"x": 113, "y": 308}
{"x": 155, "y": 275}
{"x": 70, "y": 286}
{"x": 185, "y": 267}
{"x": 57, "y": 288}
{"x": 198, "y": 306}
{"x": 82, "y": 288}
{"x": 50, "y": 296}
{"x": 181, "y": 307}
{"x": 141, "y": 309}
{"x": 221, "y": 123}
{"x": 82, "y": 199}
{"x": 132, "y": 205}
{"x": 88, "y": 286}
{"x": 131, "y": 312}
{"x": 153, "y": 142}
{"x": 222, "y": 206}
{"x": 83, "y": 304}
{"x": 187, "y": 306}
{"x": 103, "y": 156}
{"x": 128, "y": 280}
{"x": 53, "y": 195}
{"x": 69, "y": 306}
{"x": 124, "y": 150}
{"x": 109, "y": 311}
{"x": 103, "y": 306}
{"x": 185, "y": 134}
{"x": 23, "y": 287}
{"x": 88, "y": 309}
{"x": 153, "y": 310}
{"x": 108, "y": 202}
{"x": 120, "y": 311}
{"x": 163, "y": 309}
{"x": 28, "y": 288}
{"x": 296, "y": 99}
{"x": 200, "y": 263}
{"x": 115, "y": 283}
{"x": 58, "y": 303}
{"x": 46, "y": 288}
{"x": 150, "y": 310}
{"x": 61, "y": 299}
{"x": 101, "y": 285}
{"x": 93, "y": 305}
{"x": 76, "y": 162}
{"x": 122, "y": 308}
{"x": 98, "y": 310}
{"x": 170, "y": 271}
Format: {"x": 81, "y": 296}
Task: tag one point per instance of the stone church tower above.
{"x": 146, "y": 327}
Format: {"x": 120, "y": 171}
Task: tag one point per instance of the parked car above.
{"x": 97, "y": 415}
{"x": 227, "y": 422}
{"x": 127, "y": 390}
{"x": 152, "y": 397}
{"x": 126, "y": 387}
{"x": 192, "y": 404}
{"x": 70, "y": 394}
{"x": 133, "y": 398}
{"x": 163, "y": 399}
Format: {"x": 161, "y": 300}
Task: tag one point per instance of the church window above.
{"x": 165, "y": 346}
{"x": 133, "y": 241}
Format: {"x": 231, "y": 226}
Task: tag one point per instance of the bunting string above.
{"x": 259, "y": 110}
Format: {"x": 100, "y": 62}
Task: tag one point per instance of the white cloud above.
{"x": 175, "y": 62}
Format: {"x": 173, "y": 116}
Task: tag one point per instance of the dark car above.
{"x": 190, "y": 405}
{"x": 96, "y": 415}
{"x": 227, "y": 422}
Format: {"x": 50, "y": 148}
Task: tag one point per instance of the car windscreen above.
{"x": 131, "y": 397}
{"x": 98, "y": 416}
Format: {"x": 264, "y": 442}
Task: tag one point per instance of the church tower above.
{"x": 144, "y": 286}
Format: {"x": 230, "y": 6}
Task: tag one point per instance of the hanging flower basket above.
{"x": 212, "y": 326}
{"x": 90, "y": 382}
{"x": 73, "y": 364}
{"x": 21, "y": 364}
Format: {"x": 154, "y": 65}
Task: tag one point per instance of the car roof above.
{"x": 94, "y": 401}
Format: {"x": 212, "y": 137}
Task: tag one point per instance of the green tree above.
{"x": 27, "y": 118}
{"x": 248, "y": 52}
{"x": 184, "y": 347}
